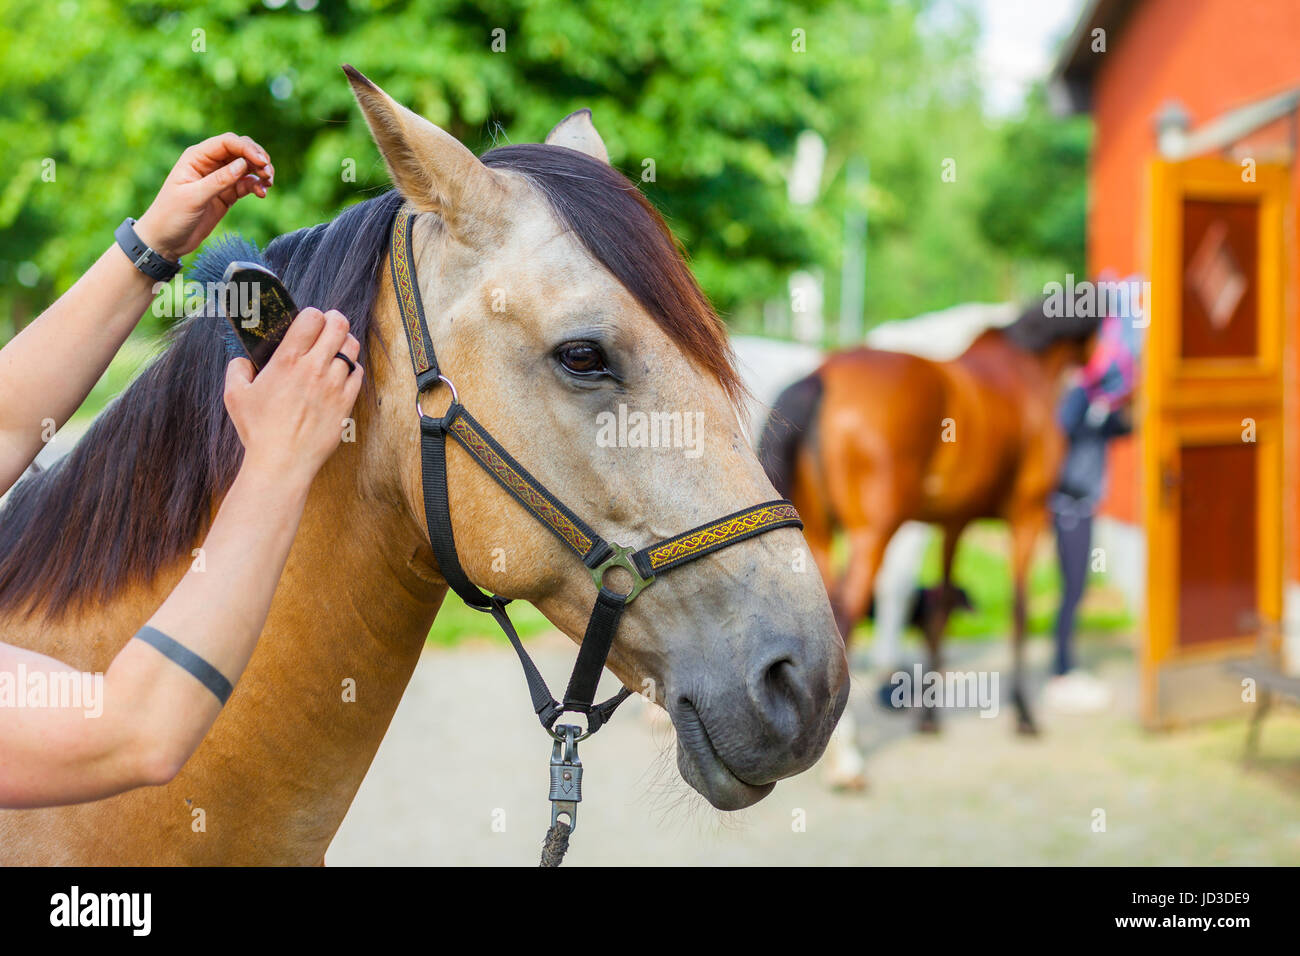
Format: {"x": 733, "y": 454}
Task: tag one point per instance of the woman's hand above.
{"x": 290, "y": 417}
{"x": 206, "y": 181}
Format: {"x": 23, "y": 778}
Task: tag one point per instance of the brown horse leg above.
{"x": 853, "y": 596}
{"x": 936, "y": 620}
{"x": 1024, "y": 532}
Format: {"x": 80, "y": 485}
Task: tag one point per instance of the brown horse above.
{"x": 873, "y": 438}
{"x": 528, "y": 249}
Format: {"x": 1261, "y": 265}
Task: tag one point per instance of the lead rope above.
{"x": 555, "y": 845}
{"x": 598, "y": 555}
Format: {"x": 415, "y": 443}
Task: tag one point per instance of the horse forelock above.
{"x": 626, "y": 234}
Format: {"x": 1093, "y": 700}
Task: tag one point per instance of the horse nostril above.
{"x": 780, "y": 696}
{"x": 780, "y": 675}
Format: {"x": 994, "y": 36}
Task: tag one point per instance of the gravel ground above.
{"x": 461, "y": 778}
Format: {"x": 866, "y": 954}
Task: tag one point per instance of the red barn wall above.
{"x": 1210, "y": 55}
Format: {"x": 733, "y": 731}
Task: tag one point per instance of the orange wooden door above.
{"x": 1211, "y": 431}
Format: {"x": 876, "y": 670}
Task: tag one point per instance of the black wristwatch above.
{"x": 151, "y": 263}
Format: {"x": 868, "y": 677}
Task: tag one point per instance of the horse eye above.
{"x": 581, "y": 358}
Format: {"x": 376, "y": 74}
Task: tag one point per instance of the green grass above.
{"x": 983, "y": 568}
{"x": 456, "y": 622}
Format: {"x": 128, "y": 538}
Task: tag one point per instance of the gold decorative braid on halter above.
{"x": 699, "y": 541}
{"x": 519, "y": 485}
{"x": 404, "y": 284}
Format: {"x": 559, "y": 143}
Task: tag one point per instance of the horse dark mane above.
{"x": 1034, "y": 330}
{"x": 136, "y": 492}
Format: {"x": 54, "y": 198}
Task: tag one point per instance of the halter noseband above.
{"x": 597, "y": 554}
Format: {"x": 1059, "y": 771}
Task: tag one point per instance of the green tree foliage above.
{"x": 700, "y": 101}
{"x": 927, "y": 138}
{"x": 1035, "y": 193}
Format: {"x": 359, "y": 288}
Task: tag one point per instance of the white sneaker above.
{"x": 1077, "y": 692}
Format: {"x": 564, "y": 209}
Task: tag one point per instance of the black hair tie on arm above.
{"x": 179, "y": 654}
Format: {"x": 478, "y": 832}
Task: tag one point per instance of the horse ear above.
{"x": 577, "y": 131}
{"x": 430, "y": 167}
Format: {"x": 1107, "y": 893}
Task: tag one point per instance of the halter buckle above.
{"x": 622, "y": 558}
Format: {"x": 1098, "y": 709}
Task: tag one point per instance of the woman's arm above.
{"x": 154, "y": 713}
{"x": 49, "y": 368}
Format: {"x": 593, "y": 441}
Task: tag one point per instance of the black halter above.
{"x": 597, "y": 554}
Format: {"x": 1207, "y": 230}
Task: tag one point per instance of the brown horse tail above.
{"x": 786, "y": 428}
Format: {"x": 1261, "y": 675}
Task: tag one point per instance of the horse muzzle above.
{"x": 735, "y": 741}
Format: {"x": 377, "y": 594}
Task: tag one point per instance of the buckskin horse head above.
{"x": 554, "y": 293}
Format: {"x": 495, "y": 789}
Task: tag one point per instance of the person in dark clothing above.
{"x": 1092, "y": 414}
{"x": 1089, "y": 428}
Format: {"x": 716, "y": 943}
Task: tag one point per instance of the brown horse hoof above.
{"x": 1026, "y": 728}
{"x": 928, "y": 727}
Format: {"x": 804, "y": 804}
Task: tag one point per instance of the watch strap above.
{"x": 151, "y": 263}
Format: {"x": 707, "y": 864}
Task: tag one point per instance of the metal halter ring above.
{"x": 622, "y": 558}
{"x": 561, "y": 734}
{"x": 455, "y": 396}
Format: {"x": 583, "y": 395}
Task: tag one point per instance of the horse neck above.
{"x": 1051, "y": 364}
{"x": 287, "y": 754}
{"x": 993, "y": 356}
{"x": 343, "y": 637}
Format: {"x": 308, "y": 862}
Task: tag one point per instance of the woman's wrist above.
{"x": 152, "y": 234}
{"x": 275, "y": 483}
